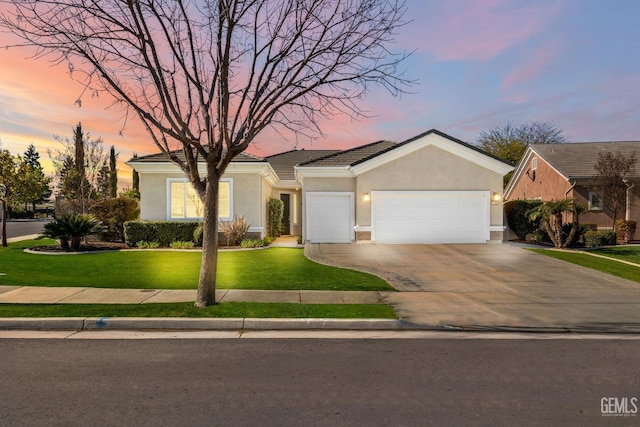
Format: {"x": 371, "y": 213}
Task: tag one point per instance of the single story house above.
{"x": 561, "y": 171}
{"x": 431, "y": 188}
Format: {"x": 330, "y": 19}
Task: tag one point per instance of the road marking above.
{"x": 351, "y": 335}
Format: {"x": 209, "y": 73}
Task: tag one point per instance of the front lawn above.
{"x": 604, "y": 265}
{"x": 625, "y": 253}
{"x": 187, "y": 309}
{"x": 273, "y": 269}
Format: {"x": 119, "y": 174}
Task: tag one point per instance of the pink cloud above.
{"x": 475, "y": 30}
{"x": 531, "y": 67}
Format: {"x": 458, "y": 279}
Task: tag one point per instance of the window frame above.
{"x": 186, "y": 182}
{"x": 598, "y": 207}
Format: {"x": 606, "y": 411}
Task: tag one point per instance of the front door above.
{"x": 286, "y": 213}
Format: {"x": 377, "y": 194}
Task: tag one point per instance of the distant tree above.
{"x": 113, "y": 173}
{"x": 78, "y": 166}
{"x": 616, "y": 181}
{"x": 103, "y": 183}
{"x": 509, "y": 142}
{"x": 33, "y": 185}
{"x": 8, "y": 180}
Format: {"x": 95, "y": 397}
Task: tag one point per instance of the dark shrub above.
{"x": 625, "y": 230}
{"x": 275, "y": 208}
{"x": 163, "y": 232}
{"x": 114, "y": 213}
{"x": 594, "y": 239}
{"x": 517, "y": 213}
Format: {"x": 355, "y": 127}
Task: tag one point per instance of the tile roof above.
{"x": 577, "y": 159}
{"x": 161, "y": 158}
{"x": 352, "y": 156}
{"x": 283, "y": 163}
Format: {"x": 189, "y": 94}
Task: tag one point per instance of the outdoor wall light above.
{"x": 366, "y": 197}
{"x": 496, "y": 198}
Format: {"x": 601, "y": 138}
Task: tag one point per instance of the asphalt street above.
{"x": 16, "y": 228}
{"x": 301, "y": 382}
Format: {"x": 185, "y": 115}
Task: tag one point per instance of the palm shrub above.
{"x": 551, "y": 213}
{"x": 71, "y": 229}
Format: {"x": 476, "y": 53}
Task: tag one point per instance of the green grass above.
{"x": 625, "y": 253}
{"x": 229, "y": 309}
{"x": 604, "y": 265}
{"x": 273, "y": 269}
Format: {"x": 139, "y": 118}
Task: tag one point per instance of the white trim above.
{"x": 352, "y": 212}
{"x": 256, "y": 229}
{"x": 497, "y": 228}
{"x": 363, "y": 228}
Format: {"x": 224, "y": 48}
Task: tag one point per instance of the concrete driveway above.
{"x": 492, "y": 285}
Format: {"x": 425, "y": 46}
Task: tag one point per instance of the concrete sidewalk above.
{"x": 87, "y": 295}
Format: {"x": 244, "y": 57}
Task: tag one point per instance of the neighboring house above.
{"x": 429, "y": 189}
{"x": 560, "y": 171}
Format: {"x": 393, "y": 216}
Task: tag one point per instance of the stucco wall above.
{"x": 428, "y": 169}
{"x": 247, "y": 196}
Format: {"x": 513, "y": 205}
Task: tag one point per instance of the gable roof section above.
{"x": 162, "y": 158}
{"x": 577, "y": 160}
{"x": 359, "y": 160}
{"x": 572, "y": 160}
{"x": 284, "y": 163}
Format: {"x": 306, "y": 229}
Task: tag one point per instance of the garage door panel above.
{"x": 430, "y": 217}
{"x": 330, "y": 217}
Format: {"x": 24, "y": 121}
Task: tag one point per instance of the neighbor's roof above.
{"x": 577, "y": 159}
{"x": 162, "y": 158}
{"x": 284, "y": 163}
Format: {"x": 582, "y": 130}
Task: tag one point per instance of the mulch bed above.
{"x": 91, "y": 246}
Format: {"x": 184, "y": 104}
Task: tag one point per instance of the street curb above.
{"x": 262, "y": 324}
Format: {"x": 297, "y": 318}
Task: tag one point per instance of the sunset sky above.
{"x": 480, "y": 64}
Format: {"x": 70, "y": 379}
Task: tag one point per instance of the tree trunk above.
{"x": 4, "y": 223}
{"x": 209, "y": 265}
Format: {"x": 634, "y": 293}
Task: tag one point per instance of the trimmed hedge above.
{"x": 594, "y": 239}
{"x": 163, "y": 232}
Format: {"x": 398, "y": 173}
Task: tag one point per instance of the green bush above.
{"x": 594, "y": 239}
{"x": 180, "y": 244}
{"x": 251, "y": 243}
{"x": 517, "y": 213}
{"x": 70, "y": 229}
{"x": 268, "y": 240}
{"x": 147, "y": 245}
{"x": 275, "y": 212}
{"x": 163, "y": 232}
{"x": 114, "y": 213}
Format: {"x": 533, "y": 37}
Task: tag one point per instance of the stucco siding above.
{"x": 153, "y": 195}
{"x": 428, "y": 169}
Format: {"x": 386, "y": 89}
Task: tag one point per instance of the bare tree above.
{"x": 616, "y": 181}
{"x": 206, "y": 77}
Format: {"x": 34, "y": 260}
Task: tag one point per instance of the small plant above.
{"x": 181, "y": 244}
{"x": 235, "y": 230}
{"x": 268, "y": 240}
{"x": 143, "y": 244}
{"x": 251, "y": 243}
{"x": 70, "y": 229}
{"x": 197, "y": 235}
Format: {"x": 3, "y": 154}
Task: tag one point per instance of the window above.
{"x": 184, "y": 202}
{"x": 534, "y": 163}
{"x": 595, "y": 204}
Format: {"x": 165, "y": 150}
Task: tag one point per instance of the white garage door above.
{"x": 330, "y": 217}
{"x": 430, "y": 216}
